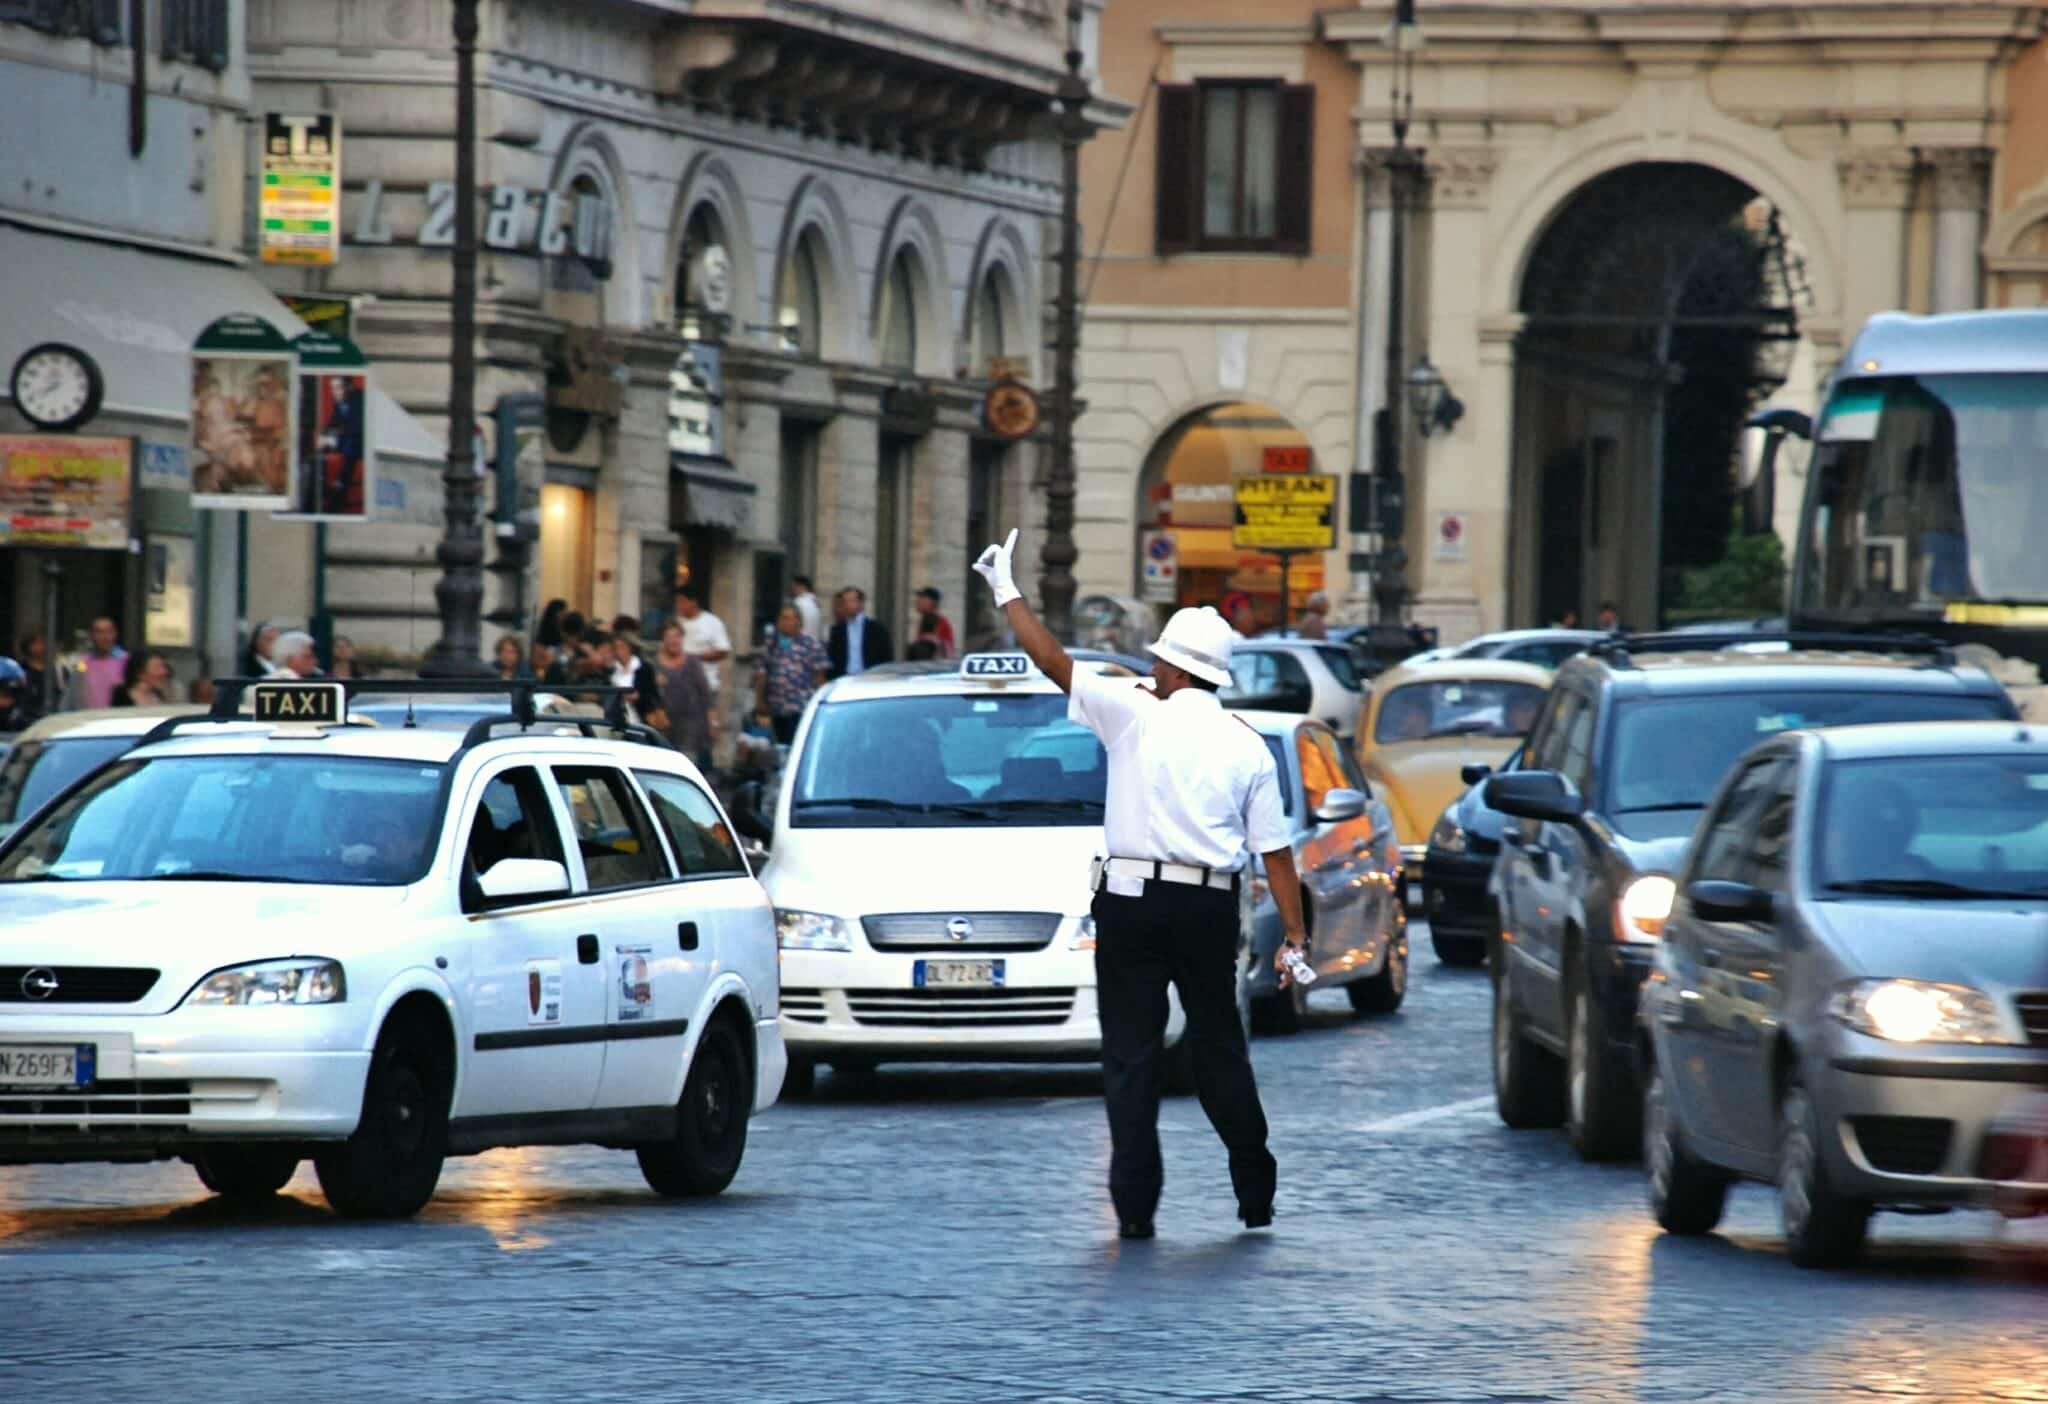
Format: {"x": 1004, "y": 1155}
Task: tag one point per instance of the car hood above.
{"x": 854, "y": 872}
{"x": 1422, "y": 777}
{"x": 1655, "y": 855}
{"x": 1988, "y": 945}
{"x": 186, "y": 930}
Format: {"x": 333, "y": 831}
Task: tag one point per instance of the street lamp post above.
{"x": 1058, "y": 554}
{"x": 1390, "y": 584}
{"x": 459, "y": 593}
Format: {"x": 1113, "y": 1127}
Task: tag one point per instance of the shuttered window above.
{"x": 196, "y": 32}
{"x": 97, "y": 20}
{"x": 1235, "y": 163}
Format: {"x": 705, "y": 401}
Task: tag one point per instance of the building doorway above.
{"x": 1661, "y": 306}
{"x": 567, "y": 544}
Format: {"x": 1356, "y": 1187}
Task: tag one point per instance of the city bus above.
{"x": 1926, "y": 506}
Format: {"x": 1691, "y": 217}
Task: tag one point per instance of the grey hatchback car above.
{"x": 1851, "y": 995}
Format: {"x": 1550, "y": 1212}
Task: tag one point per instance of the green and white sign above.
{"x": 299, "y": 213}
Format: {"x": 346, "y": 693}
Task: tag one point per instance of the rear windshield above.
{"x": 1338, "y": 660}
{"x": 947, "y": 761}
{"x": 35, "y": 770}
{"x": 1457, "y": 707}
{"x": 1668, "y": 754}
{"x": 237, "y": 818}
{"x": 1978, "y": 823}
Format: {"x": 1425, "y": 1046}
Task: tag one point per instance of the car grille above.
{"x": 804, "y": 1006}
{"x": 988, "y": 931}
{"x": 961, "y": 1009}
{"x": 1903, "y": 1145}
{"x": 68, "y": 1106}
{"x": 78, "y": 984}
{"x": 2034, "y": 1014}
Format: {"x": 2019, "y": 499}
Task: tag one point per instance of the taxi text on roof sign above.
{"x": 315, "y": 703}
{"x": 991, "y": 667}
{"x": 1284, "y": 512}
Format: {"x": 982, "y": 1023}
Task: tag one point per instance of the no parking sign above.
{"x": 1158, "y": 567}
{"x": 1452, "y": 536}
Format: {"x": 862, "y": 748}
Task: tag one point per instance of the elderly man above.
{"x": 293, "y": 656}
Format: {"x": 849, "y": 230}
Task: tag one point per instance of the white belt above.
{"x": 1185, "y": 873}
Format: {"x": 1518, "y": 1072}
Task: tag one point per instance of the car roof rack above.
{"x": 519, "y": 692}
{"x": 1621, "y": 649}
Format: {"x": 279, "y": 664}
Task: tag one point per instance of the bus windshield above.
{"x": 1926, "y": 491}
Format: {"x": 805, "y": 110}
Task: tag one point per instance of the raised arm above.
{"x": 1032, "y": 635}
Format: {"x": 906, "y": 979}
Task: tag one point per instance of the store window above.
{"x": 898, "y": 347}
{"x": 1235, "y": 167}
{"x": 196, "y": 32}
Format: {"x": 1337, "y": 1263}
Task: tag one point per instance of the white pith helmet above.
{"x": 1197, "y": 640}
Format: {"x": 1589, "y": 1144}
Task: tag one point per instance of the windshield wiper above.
{"x": 1674, "y": 807}
{"x": 1923, "y": 887}
{"x": 1057, "y": 806}
{"x": 211, "y": 875}
{"x": 1468, "y": 726}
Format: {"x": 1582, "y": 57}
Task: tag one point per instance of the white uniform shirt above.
{"x": 705, "y": 634}
{"x": 810, "y": 618}
{"x": 1188, "y": 782}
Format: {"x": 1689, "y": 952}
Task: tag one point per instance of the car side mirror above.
{"x": 1339, "y": 806}
{"x": 522, "y": 879}
{"x": 1716, "y": 900}
{"x": 1474, "y": 772}
{"x": 1534, "y": 794}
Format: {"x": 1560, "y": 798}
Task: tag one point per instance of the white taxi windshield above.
{"x": 237, "y": 818}
{"x": 948, "y": 760}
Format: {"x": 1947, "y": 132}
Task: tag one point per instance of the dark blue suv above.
{"x": 1632, "y": 743}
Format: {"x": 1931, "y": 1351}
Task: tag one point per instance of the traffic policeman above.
{"x": 1191, "y": 791}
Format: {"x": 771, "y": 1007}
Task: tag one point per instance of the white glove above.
{"x": 994, "y": 567}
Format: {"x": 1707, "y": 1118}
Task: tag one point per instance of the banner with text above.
{"x": 1284, "y": 512}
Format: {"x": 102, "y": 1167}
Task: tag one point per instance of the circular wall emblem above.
{"x": 39, "y": 983}
{"x": 1011, "y": 409}
{"x": 960, "y": 928}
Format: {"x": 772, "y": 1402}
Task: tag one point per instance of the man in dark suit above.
{"x": 858, "y": 643}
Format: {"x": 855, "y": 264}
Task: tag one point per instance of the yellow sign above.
{"x": 69, "y": 490}
{"x": 299, "y": 219}
{"x": 1284, "y": 512}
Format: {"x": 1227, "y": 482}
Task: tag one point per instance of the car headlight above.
{"x": 1084, "y": 934}
{"x": 811, "y": 931}
{"x": 1644, "y": 907}
{"x": 274, "y": 982}
{"x": 1447, "y": 835}
{"x": 1916, "y": 1011}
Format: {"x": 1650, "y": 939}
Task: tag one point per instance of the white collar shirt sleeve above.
{"x": 1107, "y": 706}
{"x": 1265, "y": 820}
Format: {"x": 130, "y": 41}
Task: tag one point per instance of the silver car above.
{"x": 1350, "y": 866}
{"x": 1850, "y": 998}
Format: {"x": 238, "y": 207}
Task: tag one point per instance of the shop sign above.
{"x": 299, "y": 211}
{"x": 516, "y": 220}
{"x": 332, "y": 467}
{"x": 244, "y": 416}
{"x": 333, "y": 315}
{"x": 66, "y": 490}
{"x": 165, "y": 467}
{"x": 1158, "y": 567}
{"x": 1287, "y": 458}
{"x": 1284, "y": 512}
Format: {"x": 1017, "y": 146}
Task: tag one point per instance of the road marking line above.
{"x": 1429, "y": 1114}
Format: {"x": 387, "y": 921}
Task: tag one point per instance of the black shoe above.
{"x": 1261, "y": 1217}
{"x": 1134, "y": 1229}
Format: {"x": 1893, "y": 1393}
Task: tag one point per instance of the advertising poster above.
{"x": 332, "y": 468}
{"x": 66, "y": 490}
{"x": 1284, "y": 512}
{"x": 243, "y": 416}
{"x": 169, "y": 592}
{"x": 300, "y": 207}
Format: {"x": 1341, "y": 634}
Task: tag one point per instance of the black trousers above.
{"x": 1186, "y": 936}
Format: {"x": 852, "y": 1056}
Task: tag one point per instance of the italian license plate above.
{"x": 957, "y": 975}
{"x": 46, "y": 1064}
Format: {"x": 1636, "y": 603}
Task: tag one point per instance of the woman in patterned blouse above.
{"x": 792, "y": 666}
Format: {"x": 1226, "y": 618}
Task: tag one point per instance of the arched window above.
{"x": 801, "y": 311}
{"x": 991, "y": 332}
{"x": 899, "y": 314}
{"x": 578, "y": 267}
{"x": 701, "y": 231}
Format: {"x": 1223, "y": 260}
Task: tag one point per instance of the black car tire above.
{"x": 801, "y": 1080}
{"x": 1383, "y": 993}
{"x": 1603, "y": 1111}
{"x": 1686, "y": 1197}
{"x": 1528, "y": 1081}
{"x": 389, "y": 1167}
{"x": 711, "y": 1121}
{"x": 245, "y": 1173}
{"x": 1824, "y": 1228}
{"x": 1463, "y": 951}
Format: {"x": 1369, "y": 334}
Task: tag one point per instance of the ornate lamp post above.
{"x": 1390, "y": 492}
{"x": 1058, "y": 554}
{"x": 459, "y": 593}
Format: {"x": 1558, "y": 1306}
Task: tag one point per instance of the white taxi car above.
{"x": 248, "y": 944}
{"x": 930, "y": 872}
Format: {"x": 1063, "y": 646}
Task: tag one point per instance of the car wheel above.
{"x": 1528, "y": 1085}
{"x": 1464, "y": 951}
{"x": 1383, "y": 993}
{"x": 245, "y": 1172}
{"x": 389, "y": 1167}
{"x": 711, "y": 1121}
{"x": 1685, "y": 1196}
{"x": 1601, "y": 1119}
{"x": 801, "y": 1079}
{"x": 1823, "y": 1227}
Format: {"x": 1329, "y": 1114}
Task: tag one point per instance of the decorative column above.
{"x": 1376, "y": 191}
{"x": 1962, "y": 188}
{"x": 1877, "y": 189}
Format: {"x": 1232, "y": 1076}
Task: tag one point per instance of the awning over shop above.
{"x": 137, "y": 313}
{"x": 712, "y": 493}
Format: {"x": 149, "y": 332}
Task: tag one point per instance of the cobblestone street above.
{"x": 943, "y": 1235}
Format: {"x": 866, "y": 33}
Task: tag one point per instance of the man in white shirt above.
{"x": 704, "y": 636}
{"x": 810, "y": 614}
{"x": 1191, "y": 789}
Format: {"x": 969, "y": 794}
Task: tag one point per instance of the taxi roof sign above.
{"x": 300, "y": 703}
{"x": 995, "y": 667}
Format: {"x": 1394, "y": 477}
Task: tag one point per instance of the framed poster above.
{"x": 244, "y": 416}
{"x": 66, "y": 490}
{"x": 331, "y": 468}
{"x": 168, "y": 593}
